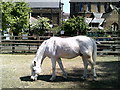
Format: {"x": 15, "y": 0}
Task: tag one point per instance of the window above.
{"x": 89, "y": 7}
{"x": 81, "y": 6}
{"x": 114, "y": 27}
{"x": 94, "y": 24}
{"x": 98, "y": 6}
{"x": 105, "y": 7}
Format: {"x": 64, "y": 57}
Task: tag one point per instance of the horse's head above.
{"x": 36, "y": 69}
{"x": 36, "y": 63}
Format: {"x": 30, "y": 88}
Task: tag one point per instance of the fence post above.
{"x": 13, "y": 48}
{"x": 0, "y": 42}
{"x": 39, "y": 42}
{"x": 29, "y": 47}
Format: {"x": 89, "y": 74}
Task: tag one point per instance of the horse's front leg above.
{"x": 62, "y": 68}
{"x": 53, "y": 69}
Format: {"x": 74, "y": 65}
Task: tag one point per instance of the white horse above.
{"x": 57, "y": 48}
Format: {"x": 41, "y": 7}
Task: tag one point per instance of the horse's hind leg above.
{"x": 92, "y": 64}
{"x": 62, "y": 68}
{"x": 85, "y": 67}
{"x": 53, "y": 69}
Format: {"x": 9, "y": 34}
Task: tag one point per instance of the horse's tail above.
{"x": 94, "y": 54}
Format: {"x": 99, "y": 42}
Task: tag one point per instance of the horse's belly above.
{"x": 67, "y": 54}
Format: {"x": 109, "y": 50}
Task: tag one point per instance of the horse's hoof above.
{"x": 65, "y": 77}
{"x": 95, "y": 79}
{"x": 83, "y": 78}
{"x": 52, "y": 79}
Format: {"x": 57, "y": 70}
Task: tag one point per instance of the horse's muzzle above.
{"x": 34, "y": 78}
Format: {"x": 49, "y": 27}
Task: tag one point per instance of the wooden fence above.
{"x": 27, "y": 44}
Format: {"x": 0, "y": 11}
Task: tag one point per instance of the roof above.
{"x": 40, "y": 3}
{"x": 88, "y": 20}
{"x": 98, "y": 20}
{"x": 44, "y": 3}
{"x": 98, "y": 15}
{"x": 33, "y": 0}
{"x": 94, "y": 0}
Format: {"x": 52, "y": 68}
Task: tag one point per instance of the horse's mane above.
{"x": 41, "y": 49}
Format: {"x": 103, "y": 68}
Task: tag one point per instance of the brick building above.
{"x": 100, "y": 14}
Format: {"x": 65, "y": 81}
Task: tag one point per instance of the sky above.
{"x": 66, "y": 6}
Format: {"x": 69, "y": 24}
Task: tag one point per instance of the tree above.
{"x": 15, "y": 16}
{"x": 75, "y": 26}
{"x": 0, "y": 17}
{"x": 40, "y": 26}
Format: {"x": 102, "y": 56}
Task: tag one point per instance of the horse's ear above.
{"x": 34, "y": 63}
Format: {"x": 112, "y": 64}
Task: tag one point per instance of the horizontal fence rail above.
{"x": 28, "y": 44}
{"x": 17, "y": 44}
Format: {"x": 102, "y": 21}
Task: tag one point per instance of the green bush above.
{"x": 40, "y": 26}
{"x": 75, "y": 26}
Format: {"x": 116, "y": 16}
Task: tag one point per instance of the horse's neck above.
{"x": 40, "y": 53}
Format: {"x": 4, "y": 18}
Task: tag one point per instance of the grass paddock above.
{"x": 16, "y": 73}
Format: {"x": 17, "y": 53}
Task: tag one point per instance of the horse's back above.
{"x": 69, "y": 47}
{"x": 63, "y": 47}
{"x": 81, "y": 38}
{"x": 73, "y": 41}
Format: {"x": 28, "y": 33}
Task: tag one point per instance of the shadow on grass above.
{"x": 26, "y": 78}
{"x": 73, "y": 76}
{"x": 108, "y": 76}
{"x": 47, "y": 77}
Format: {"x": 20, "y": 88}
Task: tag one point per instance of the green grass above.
{"x": 16, "y": 73}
